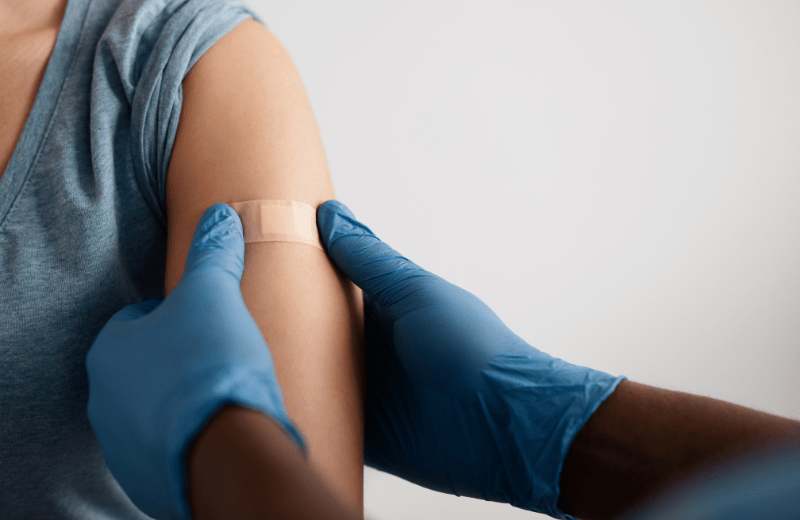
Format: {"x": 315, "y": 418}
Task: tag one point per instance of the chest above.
{"x": 23, "y": 60}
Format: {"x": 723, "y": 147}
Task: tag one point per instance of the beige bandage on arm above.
{"x": 278, "y": 221}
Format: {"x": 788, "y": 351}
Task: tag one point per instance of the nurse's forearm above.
{"x": 642, "y": 438}
{"x": 244, "y": 466}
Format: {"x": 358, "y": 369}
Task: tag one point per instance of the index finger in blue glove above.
{"x": 386, "y": 275}
{"x": 214, "y": 248}
{"x": 219, "y": 247}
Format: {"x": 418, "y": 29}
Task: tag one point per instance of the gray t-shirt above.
{"x": 83, "y": 233}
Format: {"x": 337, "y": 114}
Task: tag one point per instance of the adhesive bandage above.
{"x": 278, "y": 221}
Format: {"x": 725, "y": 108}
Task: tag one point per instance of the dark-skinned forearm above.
{"x": 243, "y": 466}
{"x": 643, "y": 438}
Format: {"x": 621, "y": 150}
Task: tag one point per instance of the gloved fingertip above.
{"x": 337, "y": 207}
{"x": 218, "y": 240}
{"x": 217, "y": 216}
{"x": 334, "y": 219}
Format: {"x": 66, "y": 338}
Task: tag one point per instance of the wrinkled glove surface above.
{"x": 456, "y": 402}
{"x": 159, "y": 370}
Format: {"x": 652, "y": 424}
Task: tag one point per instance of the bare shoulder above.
{"x": 246, "y": 132}
{"x": 21, "y": 18}
{"x": 249, "y": 44}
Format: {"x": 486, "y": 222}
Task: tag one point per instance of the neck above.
{"x": 20, "y": 17}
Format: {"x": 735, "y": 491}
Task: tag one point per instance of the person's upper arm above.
{"x": 247, "y": 132}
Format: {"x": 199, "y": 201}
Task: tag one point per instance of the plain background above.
{"x": 618, "y": 181}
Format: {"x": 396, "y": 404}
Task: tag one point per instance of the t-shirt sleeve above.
{"x": 154, "y": 44}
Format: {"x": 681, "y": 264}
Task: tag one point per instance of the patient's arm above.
{"x": 247, "y": 132}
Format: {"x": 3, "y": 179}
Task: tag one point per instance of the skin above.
{"x": 642, "y": 440}
{"x": 639, "y": 441}
{"x": 247, "y": 132}
{"x": 309, "y": 313}
{"x": 20, "y": 17}
{"x": 28, "y": 32}
{"x": 239, "y": 451}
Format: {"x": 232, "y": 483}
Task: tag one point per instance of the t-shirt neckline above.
{"x": 39, "y": 121}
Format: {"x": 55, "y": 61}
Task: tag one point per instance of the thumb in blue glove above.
{"x": 456, "y": 402}
{"x": 159, "y": 370}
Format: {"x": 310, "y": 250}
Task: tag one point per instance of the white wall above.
{"x": 619, "y": 181}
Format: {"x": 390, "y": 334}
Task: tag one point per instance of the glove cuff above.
{"x": 247, "y": 387}
{"x": 546, "y": 401}
{"x": 601, "y": 387}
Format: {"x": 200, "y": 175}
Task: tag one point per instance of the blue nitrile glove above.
{"x": 159, "y": 370}
{"x": 456, "y": 402}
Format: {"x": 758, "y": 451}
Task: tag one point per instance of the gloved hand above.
{"x": 456, "y": 402}
{"x": 159, "y": 370}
